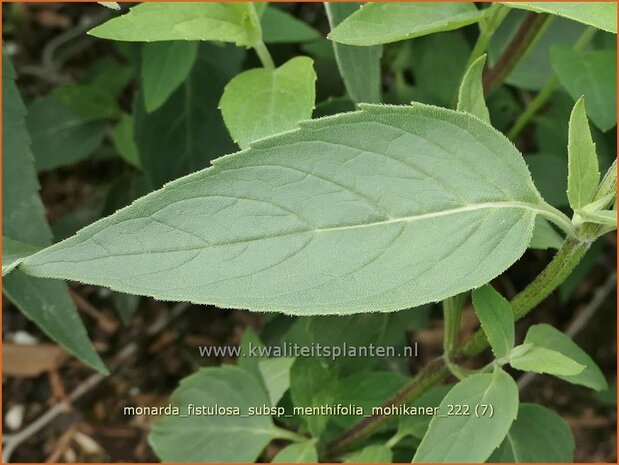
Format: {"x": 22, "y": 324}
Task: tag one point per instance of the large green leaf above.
{"x": 471, "y": 438}
{"x": 359, "y": 66}
{"x": 382, "y": 23}
{"x": 279, "y": 26}
{"x": 148, "y": 22}
{"x": 583, "y": 170}
{"x": 222, "y": 437}
{"x": 46, "y": 302}
{"x": 537, "y": 435}
{"x": 497, "y": 319}
{"x": 61, "y": 136}
{"x": 594, "y": 75}
{"x": 187, "y": 131}
{"x": 280, "y": 98}
{"x": 602, "y": 15}
{"x": 546, "y": 336}
{"x": 165, "y": 65}
{"x": 365, "y": 211}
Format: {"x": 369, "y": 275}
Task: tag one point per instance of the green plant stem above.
{"x": 547, "y": 281}
{"x": 290, "y": 435}
{"x": 545, "y": 93}
{"x": 487, "y": 29}
{"x": 452, "y": 311}
{"x": 264, "y": 55}
{"x": 526, "y": 37}
{"x": 261, "y": 49}
{"x": 559, "y": 218}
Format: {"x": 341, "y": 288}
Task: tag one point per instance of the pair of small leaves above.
{"x": 583, "y": 173}
{"x": 545, "y": 349}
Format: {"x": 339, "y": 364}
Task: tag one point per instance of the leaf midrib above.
{"x": 405, "y": 219}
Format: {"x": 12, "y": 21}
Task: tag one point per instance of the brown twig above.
{"x": 526, "y": 36}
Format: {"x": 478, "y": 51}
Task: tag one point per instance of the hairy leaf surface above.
{"x": 359, "y": 66}
{"x": 382, "y": 23}
{"x": 471, "y": 438}
{"x": 375, "y": 210}
{"x": 280, "y": 98}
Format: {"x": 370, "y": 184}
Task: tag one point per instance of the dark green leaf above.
{"x": 594, "y": 75}
{"x": 279, "y": 26}
{"x": 187, "y": 132}
{"x": 46, "y": 302}
{"x": 59, "y": 135}
{"x": 359, "y": 66}
{"x": 14, "y": 252}
{"x": 165, "y": 65}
